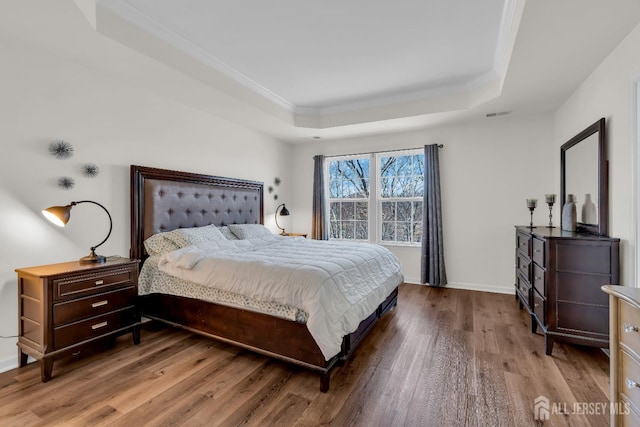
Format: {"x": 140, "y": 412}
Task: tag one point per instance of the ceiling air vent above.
{"x": 499, "y": 113}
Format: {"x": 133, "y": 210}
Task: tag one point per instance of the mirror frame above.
{"x": 603, "y": 183}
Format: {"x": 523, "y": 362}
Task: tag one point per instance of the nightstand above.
{"x": 295, "y": 235}
{"x": 63, "y": 307}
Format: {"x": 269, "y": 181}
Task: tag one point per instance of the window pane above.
{"x": 388, "y": 229}
{"x": 362, "y": 230}
{"x": 334, "y": 230}
{"x": 418, "y": 164}
{"x": 387, "y": 166}
{"x": 418, "y": 186}
{"x": 404, "y": 166}
{"x": 348, "y": 230}
{"x": 348, "y": 211}
{"x": 417, "y": 232}
{"x": 402, "y": 231}
{"x": 362, "y": 211}
{"x": 417, "y": 211}
{"x": 388, "y": 211}
{"x": 349, "y": 178}
{"x": 334, "y": 211}
{"x": 386, "y": 187}
{"x": 403, "y": 211}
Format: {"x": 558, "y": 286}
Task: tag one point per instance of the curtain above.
{"x": 432, "y": 269}
{"x": 318, "y": 220}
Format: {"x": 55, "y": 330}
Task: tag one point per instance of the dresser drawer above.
{"x": 539, "y": 306}
{"x": 539, "y": 279}
{"x": 538, "y": 252}
{"x": 629, "y": 326}
{"x": 74, "y": 333}
{"x": 522, "y": 264}
{"x": 629, "y": 378}
{"x": 78, "y": 309}
{"x": 522, "y": 243}
{"x": 522, "y": 284}
{"x": 88, "y": 284}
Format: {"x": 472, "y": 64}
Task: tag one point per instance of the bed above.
{"x": 164, "y": 200}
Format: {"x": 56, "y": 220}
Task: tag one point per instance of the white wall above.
{"x": 488, "y": 168}
{"x": 109, "y": 122}
{"x": 610, "y": 92}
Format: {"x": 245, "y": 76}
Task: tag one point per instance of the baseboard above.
{"x": 12, "y": 363}
{"x": 8, "y": 364}
{"x": 470, "y": 287}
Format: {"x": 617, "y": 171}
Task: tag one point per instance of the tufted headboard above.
{"x": 163, "y": 200}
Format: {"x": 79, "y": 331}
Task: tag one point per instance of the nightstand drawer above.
{"x": 78, "y": 309}
{"x": 630, "y": 378}
{"x": 74, "y": 333}
{"x": 629, "y": 326}
{"x": 87, "y": 284}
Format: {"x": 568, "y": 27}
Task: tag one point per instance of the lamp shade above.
{"x": 59, "y": 215}
{"x": 284, "y": 211}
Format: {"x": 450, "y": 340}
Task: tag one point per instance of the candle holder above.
{"x": 550, "y": 199}
{"x": 531, "y": 204}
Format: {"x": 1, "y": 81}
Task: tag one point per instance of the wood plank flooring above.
{"x": 443, "y": 357}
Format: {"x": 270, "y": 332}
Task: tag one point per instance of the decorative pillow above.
{"x": 159, "y": 244}
{"x": 227, "y": 233}
{"x": 183, "y": 237}
{"x": 249, "y": 231}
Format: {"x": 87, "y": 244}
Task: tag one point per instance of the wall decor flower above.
{"x": 60, "y": 149}
{"x": 66, "y": 183}
{"x": 91, "y": 170}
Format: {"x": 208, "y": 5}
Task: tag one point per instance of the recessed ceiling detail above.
{"x": 331, "y": 63}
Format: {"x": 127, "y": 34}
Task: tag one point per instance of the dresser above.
{"x": 625, "y": 354}
{"x": 64, "y": 307}
{"x": 558, "y": 279}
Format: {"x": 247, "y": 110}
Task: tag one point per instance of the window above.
{"x": 349, "y": 198}
{"x": 400, "y": 197}
{"x": 376, "y": 197}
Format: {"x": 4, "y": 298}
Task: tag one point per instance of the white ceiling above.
{"x": 297, "y": 69}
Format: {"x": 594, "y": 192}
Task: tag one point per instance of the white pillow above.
{"x": 227, "y": 233}
{"x": 190, "y": 236}
{"x": 159, "y": 244}
{"x": 249, "y": 231}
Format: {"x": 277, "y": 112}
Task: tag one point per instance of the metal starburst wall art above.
{"x": 60, "y": 149}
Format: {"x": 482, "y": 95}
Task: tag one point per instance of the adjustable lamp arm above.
{"x": 93, "y": 248}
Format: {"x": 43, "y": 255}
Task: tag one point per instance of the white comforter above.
{"x": 337, "y": 283}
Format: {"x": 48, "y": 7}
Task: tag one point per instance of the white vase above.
{"x": 569, "y": 214}
{"x": 589, "y": 212}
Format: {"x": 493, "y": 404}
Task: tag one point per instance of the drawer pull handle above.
{"x": 630, "y": 328}
{"x": 99, "y": 303}
{"x": 536, "y": 304}
{"x": 99, "y": 325}
{"x": 538, "y": 278}
{"x": 99, "y": 282}
{"x": 632, "y": 383}
{"x": 537, "y": 250}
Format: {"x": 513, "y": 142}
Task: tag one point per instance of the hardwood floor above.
{"x": 451, "y": 358}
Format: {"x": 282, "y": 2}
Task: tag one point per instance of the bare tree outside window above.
{"x": 400, "y": 187}
{"x": 349, "y": 199}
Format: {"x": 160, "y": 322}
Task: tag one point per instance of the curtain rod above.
{"x": 381, "y": 151}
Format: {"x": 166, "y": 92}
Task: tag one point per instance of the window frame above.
{"x": 379, "y": 199}
{"x": 375, "y": 199}
{"x": 327, "y": 175}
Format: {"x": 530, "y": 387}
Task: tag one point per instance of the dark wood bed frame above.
{"x": 162, "y": 200}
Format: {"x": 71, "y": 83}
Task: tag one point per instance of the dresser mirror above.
{"x": 583, "y": 173}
